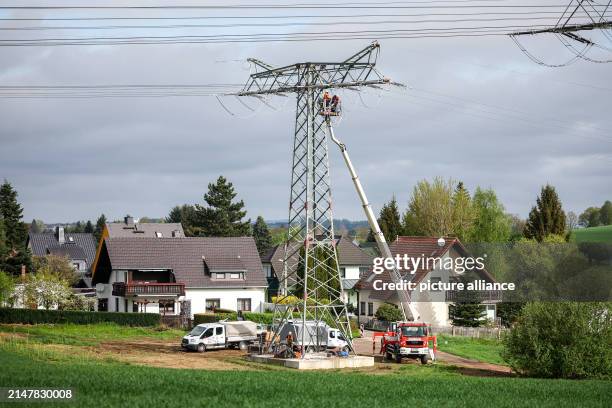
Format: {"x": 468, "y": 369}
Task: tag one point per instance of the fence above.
{"x": 475, "y": 332}
{"x": 176, "y": 321}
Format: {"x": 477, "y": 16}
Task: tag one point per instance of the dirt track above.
{"x": 169, "y": 354}
{"x": 469, "y": 367}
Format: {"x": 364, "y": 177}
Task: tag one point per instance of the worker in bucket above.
{"x": 335, "y": 104}
{"x": 326, "y": 101}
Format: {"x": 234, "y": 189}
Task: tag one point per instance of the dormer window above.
{"x": 227, "y": 275}
{"x": 159, "y": 234}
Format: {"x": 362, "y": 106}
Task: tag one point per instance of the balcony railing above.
{"x": 143, "y": 288}
{"x": 479, "y": 295}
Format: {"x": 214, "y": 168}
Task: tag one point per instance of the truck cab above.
{"x": 225, "y": 334}
{"x": 204, "y": 337}
{"x": 408, "y": 340}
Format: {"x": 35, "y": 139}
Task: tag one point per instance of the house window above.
{"x": 125, "y": 305}
{"x": 116, "y": 304}
{"x": 362, "y": 308}
{"x": 235, "y": 276}
{"x": 268, "y": 270}
{"x": 212, "y": 304}
{"x": 343, "y": 272}
{"x": 134, "y": 307}
{"x": 436, "y": 281}
{"x": 370, "y": 309}
{"x": 244, "y": 305}
{"x": 103, "y": 305}
{"x": 76, "y": 266}
{"x": 219, "y": 275}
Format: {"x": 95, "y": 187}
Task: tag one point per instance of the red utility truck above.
{"x": 408, "y": 340}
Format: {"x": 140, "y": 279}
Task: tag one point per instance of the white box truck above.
{"x": 319, "y": 335}
{"x": 220, "y": 335}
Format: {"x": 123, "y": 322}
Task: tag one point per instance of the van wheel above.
{"x": 201, "y": 348}
{"x": 425, "y": 359}
{"x": 243, "y": 345}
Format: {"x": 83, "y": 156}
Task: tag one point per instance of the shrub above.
{"x": 561, "y": 340}
{"x": 7, "y": 286}
{"x": 35, "y": 316}
{"x": 264, "y": 318}
{"x": 389, "y": 313}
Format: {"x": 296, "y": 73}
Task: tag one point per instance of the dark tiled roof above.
{"x": 223, "y": 264}
{"x": 72, "y": 251}
{"x": 41, "y": 242}
{"x": 186, "y": 257}
{"x": 349, "y": 254}
{"x": 121, "y": 229}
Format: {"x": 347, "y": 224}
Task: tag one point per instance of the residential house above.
{"x": 179, "y": 275}
{"x": 431, "y": 306}
{"x": 79, "y": 248}
{"x": 353, "y": 263}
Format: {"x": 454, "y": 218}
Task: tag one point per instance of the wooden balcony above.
{"x": 148, "y": 289}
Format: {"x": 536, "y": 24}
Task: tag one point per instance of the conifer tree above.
{"x": 546, "y": 217}
{"x": 222, "y": 217}
{"x": 262, "y": 236}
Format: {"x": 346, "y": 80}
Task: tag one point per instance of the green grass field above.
{"x": 104, "y": 382}
{"x": 593, "y": 234}
{"x": 88, "y": 335}
{"x": 483, "y": 349}
{"x": 108, "y": 384}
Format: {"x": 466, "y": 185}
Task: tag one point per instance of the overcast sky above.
{"x": 476, "y": 110}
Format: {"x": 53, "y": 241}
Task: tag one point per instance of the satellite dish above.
{"x": 441, "y": 242}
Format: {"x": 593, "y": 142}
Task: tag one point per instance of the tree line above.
{"x": 446, "y": 208}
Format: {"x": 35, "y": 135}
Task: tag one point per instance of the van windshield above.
{"x": 197, "y": 330}
{"x": 416, "y": 331}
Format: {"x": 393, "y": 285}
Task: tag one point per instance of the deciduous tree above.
{"x": 491, "y": 224}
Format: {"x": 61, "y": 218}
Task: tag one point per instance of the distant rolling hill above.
{"x": 593, "y": 234}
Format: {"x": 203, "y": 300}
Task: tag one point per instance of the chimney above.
{"x": 176, "y": 234}
{"x": 129, "y": 220}
{"x": 59, "y": 234}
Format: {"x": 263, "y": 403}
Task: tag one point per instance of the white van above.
{"x": 220, "y": 335}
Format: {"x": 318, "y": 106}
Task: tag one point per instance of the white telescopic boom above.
{"x": 404, "y": 299}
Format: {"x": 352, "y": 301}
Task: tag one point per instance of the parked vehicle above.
{"x": 319, "y": 336}
{"x": 408, "y": 340}
{"x": 221, "y": 335}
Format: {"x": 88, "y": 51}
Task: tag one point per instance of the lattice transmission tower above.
{"x": 310, "y": 260}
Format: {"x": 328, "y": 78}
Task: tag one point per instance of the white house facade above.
{"x": 179, "y": 276}
{"x": 429, "y": 306}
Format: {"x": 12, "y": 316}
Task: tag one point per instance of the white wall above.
{"x": 351, "y": 272}
{"x": 229, "y": 298}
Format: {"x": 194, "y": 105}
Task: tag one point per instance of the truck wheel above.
{"x": 425, "y": 359}
{"x": 346, "y": 349}
{"x": 243, "y": 345}
{"x": 398, "y": 358}
{"x": 388, "y": 356}
{"x": 201, "y": 348}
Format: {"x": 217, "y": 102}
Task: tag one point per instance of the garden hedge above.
{"x": 265, "y": 318}
{"x": 33, "y": 316}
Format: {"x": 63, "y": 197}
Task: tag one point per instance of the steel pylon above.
{"x": 311, "y": 276}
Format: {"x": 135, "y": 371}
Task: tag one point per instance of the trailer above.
{"x": 317, "y": 337}
{"x": 221, "y": 335}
